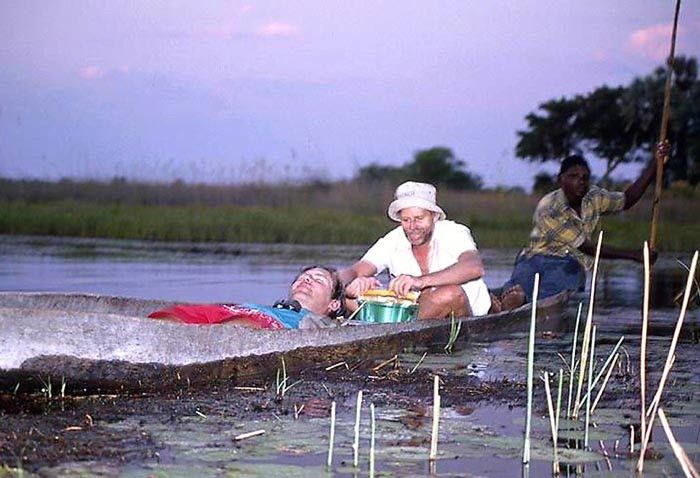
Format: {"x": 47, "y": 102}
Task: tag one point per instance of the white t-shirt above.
{"x": 449, "y": 241}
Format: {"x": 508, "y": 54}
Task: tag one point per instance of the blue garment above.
{"x": 556, "y": 274}
{"x": 288, "y": 318}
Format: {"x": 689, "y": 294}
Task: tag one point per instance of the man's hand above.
{"x": 663, "y": 148}
{"x": 361, "y": 284}
{"x": 404, "y": 284}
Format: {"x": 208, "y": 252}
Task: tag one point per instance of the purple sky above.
{"x": 232, "y": 91}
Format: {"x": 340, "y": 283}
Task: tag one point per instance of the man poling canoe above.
{"x": 560, "y": 247}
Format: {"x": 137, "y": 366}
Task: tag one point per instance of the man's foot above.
{"x": 513, "y": 297}
{"x": 496, "y": 304}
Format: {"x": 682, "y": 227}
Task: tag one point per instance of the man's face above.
{"x": 313, "y": 289}
{"x": 417, "y": 224}
{"x": 575, "y": 182}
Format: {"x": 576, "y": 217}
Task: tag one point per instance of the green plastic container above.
{"x": 379, "y": 313}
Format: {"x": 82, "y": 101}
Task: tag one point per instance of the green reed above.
{"x": 314, "y": 213}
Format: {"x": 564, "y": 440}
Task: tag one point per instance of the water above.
{"x": 252, "y": 272}
{"x": 487, "y": 443}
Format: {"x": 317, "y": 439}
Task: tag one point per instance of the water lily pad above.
{"x": 594, "y": 434}
{"x": 171, "y": 471}
{"x": 267, "y": 470}
{"x": 566, "y": 455}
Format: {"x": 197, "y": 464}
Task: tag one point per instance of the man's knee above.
{"x": 439, "y": 302}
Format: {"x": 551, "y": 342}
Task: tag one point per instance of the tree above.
{"x": 544, "y": 183}
{"x": 552, "y": 135}
{"x": 643, "y": 105}
{"x": 621, "y": 125}
{"x": 378, "y": 173}
{"x": 606, "y": 133}
{"x": 685, "y": 122}
{"x": 439, "y": 166}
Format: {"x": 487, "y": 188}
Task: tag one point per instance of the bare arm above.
{"x": 635, "y": 191}
{"x": 467, "y": 268}
{"x": 358, "y": 278}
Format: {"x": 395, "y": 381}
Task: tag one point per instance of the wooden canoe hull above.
{"x": 105, "y": 343}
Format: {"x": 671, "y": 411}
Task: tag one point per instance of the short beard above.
{"x": 426, "y": 239}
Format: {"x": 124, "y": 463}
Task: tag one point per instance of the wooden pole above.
{"x": 664, "y": 129}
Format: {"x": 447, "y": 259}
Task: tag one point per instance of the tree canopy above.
{"x": 437, "y": 165}
{"x": 621, "y": 125}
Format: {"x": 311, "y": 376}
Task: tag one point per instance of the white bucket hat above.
{"x": 412, "y": 194}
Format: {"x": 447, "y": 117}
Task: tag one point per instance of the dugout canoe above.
{"x": 106, "y": 343}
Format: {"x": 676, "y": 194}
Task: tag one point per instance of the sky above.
{"x": 234, "y": 91}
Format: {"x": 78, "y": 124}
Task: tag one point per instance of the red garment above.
{"x": 216, "y": 314}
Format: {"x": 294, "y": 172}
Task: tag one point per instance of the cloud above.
{"x": 652, "y": 42}
{"x": 277, "y": 29}
{"x": 228, "y": 29}
{"x": 92, "y": 72}
{"x": 222, "y": 32}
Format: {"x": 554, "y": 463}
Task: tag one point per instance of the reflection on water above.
{"x": 170, "y": 271}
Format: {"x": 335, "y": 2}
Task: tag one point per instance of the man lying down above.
{"x": 315, "y": 299}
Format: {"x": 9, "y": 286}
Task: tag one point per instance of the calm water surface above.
{"x": 487, "y": 443}
{"x": 250, "y": 272}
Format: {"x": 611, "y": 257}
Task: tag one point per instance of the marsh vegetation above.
{"x": 318, "y": 213}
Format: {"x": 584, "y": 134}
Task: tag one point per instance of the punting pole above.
{"x": 664, "y": 128}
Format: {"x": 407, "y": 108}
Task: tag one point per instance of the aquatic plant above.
{"x": 331, "y": 437}
{"x": 605, "y": 382}
{"x": 282, "y": 381}
{"x": 667, "y": 365}
{"x": 244, "y": 436}
{"x": 591, "y": 362}
{"x": 687, "y": 465}
{"x": 530, "y": 373}
{"x": 356, "y": 440}
{"x": 47, "y": 389}
{"x": 587, "y": 329}
{"x": 436, "y": 419}
{"x": 418, "y": 363}
{"x": 371, "y": 440}
{"x": 552, "y": 423}
{"x": 607, "y": 366}
{"x": 337, "y": 214}
{"x": 455, "y": 327}
{"x": 572, "y": 367}
{"x": 696, "y": 295}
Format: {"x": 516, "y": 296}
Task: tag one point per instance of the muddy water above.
{"x": 477, "y": 440}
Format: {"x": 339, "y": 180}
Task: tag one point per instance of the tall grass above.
{"x": 329, "y": 213}
{"x": 195, "y": 223}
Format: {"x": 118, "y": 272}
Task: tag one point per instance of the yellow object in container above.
{"x": 385, "y": 307}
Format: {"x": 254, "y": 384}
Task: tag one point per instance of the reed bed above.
{"x": 588, "y": 371}
{"x": 496, "y": 221}
{"x": 350, "y": 212}
{"x": 190, "y": 223}
{"x": 652, "y": 410}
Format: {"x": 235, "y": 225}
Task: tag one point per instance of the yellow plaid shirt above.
{"x": 558, "y": 230}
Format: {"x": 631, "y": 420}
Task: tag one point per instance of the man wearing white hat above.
{"x": 427, "y": 253}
